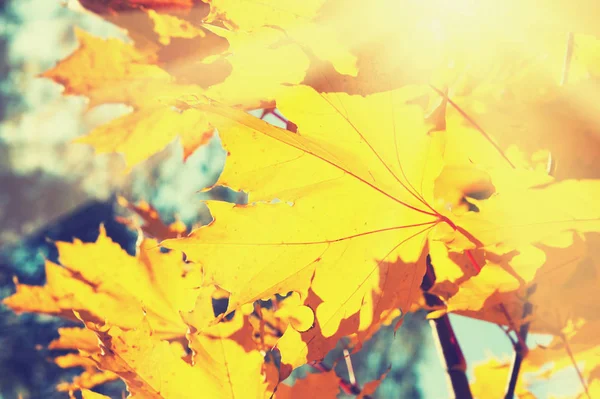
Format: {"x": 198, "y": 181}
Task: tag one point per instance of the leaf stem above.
{"x": 572, "y": 357}
{"x": 520, "y": 346}
{"x": 448, "y": 345}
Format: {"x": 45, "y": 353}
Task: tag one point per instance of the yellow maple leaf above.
{"x": 298, "y": 20}
{"x": 262, "y": 60}
{"x": 103, "y": 282}
{"x": 340, "y": 152}
{"x": 127, "y": 76}
{"x": 353, "y": 238}
{"x": 220, "y": 368}
{"x": 343, "y": 211}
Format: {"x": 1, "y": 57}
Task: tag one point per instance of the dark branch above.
{"x": 520, "y": 346}
{"x": 454, "y": 360}
{"x": 512, "y": 327}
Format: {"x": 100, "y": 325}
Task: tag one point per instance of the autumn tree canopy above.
{"x": 463, "y": 135}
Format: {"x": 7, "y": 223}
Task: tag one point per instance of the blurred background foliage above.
{"x": 51, "y": 190}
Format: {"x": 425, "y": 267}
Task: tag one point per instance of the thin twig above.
{"x": 568, "y": 57}
{"x": 475, "y": 125}
{"x": 520, "y": 347}
{"x": 513, "y": 327}
{"x": 507, "y": 332}
{"x": 572, "y": 357}
{"x": 351, "y": 375}
{"x": 454, "y": 360}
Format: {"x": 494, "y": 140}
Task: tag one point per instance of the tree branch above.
{"x": 513, "y": 327}
{"x": 454, "y": 360}
{"x": 520, "y": 345}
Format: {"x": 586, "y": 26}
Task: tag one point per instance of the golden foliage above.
{"x": 415, "y": 129}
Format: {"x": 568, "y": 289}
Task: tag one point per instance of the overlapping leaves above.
{"x": 380, "y": 171}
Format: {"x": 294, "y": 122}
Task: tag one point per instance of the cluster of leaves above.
{"x": 410, "y": 130}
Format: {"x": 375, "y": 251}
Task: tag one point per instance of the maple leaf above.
{"x": 525, "y": 105}
{"x": 560, "y": 275}
{"x": 155, "y": 127}
{"x": 103, "y": 282}
{"x": 338, "y": 153}
{"x": 550, "y": 259}
{"x": 553, "y": 273}
{"x": 134, "y": 78}
{"x": 128, "y": 76}
{"x": 352, "y": 238}
{"x": 344, "y": 210}
{"x": 266, "y": 44}
{"x": 300, "y": 22}
{"x": 221, "y": 367}
{"x": 261, "y": 62}
{"x": 526, "y": 233}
